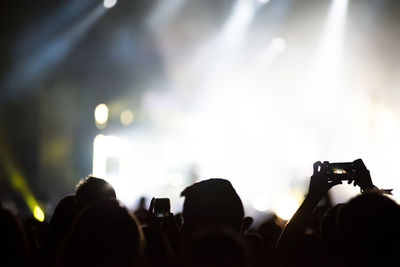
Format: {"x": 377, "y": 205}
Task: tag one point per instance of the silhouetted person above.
{"x": 105, "y": 234}
{"x": 14, "y": 249}
{"x": 212, "y": 207}
{"x": 38, "y": 237}
{"x": 61, "y": 222}
{"x": 330, "y": 236}
{"x": 92, "y": 189}
{"x": 363, "y": 231}
{"x": 369, "y": 231}
{"x": 141, "y": 210}
{"x": 212, "y": 203}
{"x": 216, "y": 248}
{"x": 269, "y": 230}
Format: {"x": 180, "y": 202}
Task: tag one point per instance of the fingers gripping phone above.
{"x": 341, "y": 171}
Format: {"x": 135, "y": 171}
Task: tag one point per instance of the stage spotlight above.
{"x": 109, "y": 3}
{"x": 20, "y": 185}
{"x": 286, "y": 207}
{"x": 38, "y": 214}
{"x": 126, "y": 117}
{"x": 107, "y": 150}
{"x": 101, "y": 114}
{"x": 330, "y": 48}
{"x": 278, "y": 44}
{"x": 261, "y": 203}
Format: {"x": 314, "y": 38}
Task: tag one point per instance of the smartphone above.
{"x": 162, "y": 207}
{"x": 341, "y": 170}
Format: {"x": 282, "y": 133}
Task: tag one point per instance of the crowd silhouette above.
{"x": 92, "y": 228}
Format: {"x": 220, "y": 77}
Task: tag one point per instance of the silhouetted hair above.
{"x": 211, "y": 203}
{"x": 105, "y": 234}
{"x": 61, "y": 222}
{"x": 92, "y": 189}
{"x": 216, "y": 248}
{"x": 369, "y": 231}
{"x": 14, "y": 249}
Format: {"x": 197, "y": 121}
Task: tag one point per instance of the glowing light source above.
{"x": 38, "y": 214}
{"x": 126, "y": 117}
{"x": 109, "y": 3}
{"x": 278, "y": 44}
{"x": 101, "y": 114}
{"x": 104, "y": 149}
{"x": 261, "y": 203}
{"x": 20, "y": 185}
{"x": 286, "y": 207}
{"x": 263, "y": 1}
{"x": 328, "y": 59}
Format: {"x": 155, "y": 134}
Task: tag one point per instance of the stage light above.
{"x": 106, "y": 149}
{"x": 38, "y": 214}
{"x": 286, "y": 207}
{"x": 261, "y": 203}
{"x": 109, "y": 3}
{"x": 59, "y": 34}
{"x": 126, "y": 117}
{"x": 278, "y": 44}
{"x": 329, "y": 55}
{"x": 238, "y": 22}
{"x": 101, "y": 114}
{"x": 20, "y": 185}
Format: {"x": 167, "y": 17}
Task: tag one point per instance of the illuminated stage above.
{"x": 258, "y": 118}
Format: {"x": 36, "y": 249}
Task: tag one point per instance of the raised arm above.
{"x": 292, "y": 236}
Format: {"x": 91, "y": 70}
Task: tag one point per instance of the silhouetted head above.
{"x": 329, "y": 228}
{"x": 61, "y": 222}
{"x": 369, "y": 230}
{"x": 13, "y": 240}
{"x": 92, "y": 189}
{"x": 211, "y": 203}
{"x": 104, "y": 234}
{"x": 270, "y": 231}
{"x": 330, "y": 235}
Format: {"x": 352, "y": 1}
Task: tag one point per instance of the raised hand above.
{"x": 362, "y": 177}
{"x": 319, "y": 182}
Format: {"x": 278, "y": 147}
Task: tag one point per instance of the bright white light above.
{"x": 126, "y": 117}
{"x": 278, "y": 44}
{"x": 271, "y": 52}
{"x": 101, "y": 114}
{"x": 109, "y": 3}
{"x": 330, "y": 47}
{"x": 175, "y": 179}
{"x": 263, "y": 1}
{"x": 104, "y": 148}
{"x": 261, "y": 203}
{"x": 326, "y": 74}
{"x": 249, "y": 124}
{"x": 229, "y": 40}
{"x": 286, "y": 207}
{"x": 241, "y": 16}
